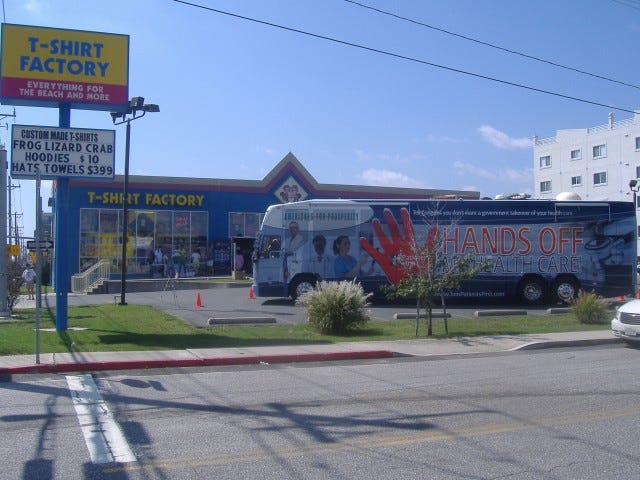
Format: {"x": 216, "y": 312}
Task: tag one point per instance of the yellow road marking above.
{"x": 373, "y": 442}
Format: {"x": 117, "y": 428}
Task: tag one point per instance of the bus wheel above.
{"x": 300, "y": 285}
{"x": 565, "y": 288}
{"x": 532, "y": 290}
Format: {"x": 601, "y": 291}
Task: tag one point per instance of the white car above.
{"x": 626, "y": 324}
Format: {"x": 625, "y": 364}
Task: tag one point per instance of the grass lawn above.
{"x": 109, "y": 327}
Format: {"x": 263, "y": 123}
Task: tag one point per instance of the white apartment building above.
{"x": 595, "y": 163}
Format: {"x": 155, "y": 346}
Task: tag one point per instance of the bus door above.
{"x": 269, "y": 259}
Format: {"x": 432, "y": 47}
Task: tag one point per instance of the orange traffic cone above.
{"x": 198, "y": 301}
{"x": 638, "y": 294}
{"x": 251, "y": 296}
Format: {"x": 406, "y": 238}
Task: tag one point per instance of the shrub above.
{"x": 590, "y": 308}
{"x": 336, "y": 307}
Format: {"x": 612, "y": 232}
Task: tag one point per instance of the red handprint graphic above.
{"x": 399, "y": 245}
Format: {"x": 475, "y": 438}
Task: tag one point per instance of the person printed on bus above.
{"x": 295, "y": 240}
{"x": 320, "y": 263}
{"x": 345, "y": 265}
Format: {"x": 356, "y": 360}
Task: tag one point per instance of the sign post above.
{"x": 38, "y": 264}
{"x": 61, "y": 153}
{"x": 64, "y": 69}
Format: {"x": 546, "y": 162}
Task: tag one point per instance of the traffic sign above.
{"x": 44, "y": 244}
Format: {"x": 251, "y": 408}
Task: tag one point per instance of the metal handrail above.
{"x": 92, "y": 277}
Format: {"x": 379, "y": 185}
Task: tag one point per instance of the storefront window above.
{"x": 251, "y": 224}
{"x": 236, "y": 225}
{"x": 199, "y": 233}
{"x": 164, "y": 232}
{"x": 244, "y": 224}
{"x": 100, "y": 238}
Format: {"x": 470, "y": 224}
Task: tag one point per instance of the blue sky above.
{"x": 236, "y": 96}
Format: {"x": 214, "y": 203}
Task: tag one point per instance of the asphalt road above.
{"x": 551, "y": 414}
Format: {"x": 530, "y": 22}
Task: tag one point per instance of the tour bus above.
{"x": 535, "y": 250}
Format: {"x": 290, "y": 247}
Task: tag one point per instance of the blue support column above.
{"x": 61, "y": 263}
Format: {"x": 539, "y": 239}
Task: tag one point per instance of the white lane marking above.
{"x": 102, "y": 434}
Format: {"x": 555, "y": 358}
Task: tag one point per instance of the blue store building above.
{"x": 200, "y": 226}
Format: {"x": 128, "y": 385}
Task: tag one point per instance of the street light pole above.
{"x": 125, "y": 215}
{"x": 136, "y": 109}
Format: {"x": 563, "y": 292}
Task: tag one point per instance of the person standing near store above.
{"x": 182, "y": 262}
{"x": 195, "y": 260}
{"x": 29, "y": 277}
{"x": 158, "y": 256}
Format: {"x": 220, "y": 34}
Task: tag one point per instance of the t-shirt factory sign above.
{"x": 62, "y": 152}
{"x": 51, "y": 67}
{"x": 146, "y": 199}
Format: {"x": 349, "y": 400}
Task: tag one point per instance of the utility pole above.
{"x": 10, "y": 188}
{"x": 4, "y": 276}
{"x": 9, "y": 200}
{"x": 4, "y": 235}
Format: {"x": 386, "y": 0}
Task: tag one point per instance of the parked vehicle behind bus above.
{"x": 537, "y": 250}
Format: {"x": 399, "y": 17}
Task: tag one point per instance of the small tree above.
{"x": 423, "y": 272}
{"x": 14, "y": 283}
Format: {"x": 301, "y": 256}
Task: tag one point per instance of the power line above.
{"x": 628, "y": 3}
{"x": 404, "y": 57}
{"x": 497, "y": 47}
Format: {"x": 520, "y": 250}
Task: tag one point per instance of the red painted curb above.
{"x": 195, "y": 362}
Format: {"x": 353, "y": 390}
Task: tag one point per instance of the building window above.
{"x": 576, "y": 154}
{"x": 545, "y": 187}
{"x": 599, "y": 151}
{"x": 576, "y": 181}
{"x": 147, "y": 230}
{"x": 637, "y": 143}
{"x": 637, "y": 172}
{"x": 545, "y": 161}
{"x": 242, "y": 224}
{"x": 600, "y": 178}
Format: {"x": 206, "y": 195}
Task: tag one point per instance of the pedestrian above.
{"x": 29, "y": 277}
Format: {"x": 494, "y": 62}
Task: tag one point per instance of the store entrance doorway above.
{"x": 241, "y": 264}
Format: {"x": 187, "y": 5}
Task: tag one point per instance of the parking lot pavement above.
{"x": 202, "y": 308}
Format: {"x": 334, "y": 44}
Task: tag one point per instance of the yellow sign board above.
{"x": 50, "y": 66}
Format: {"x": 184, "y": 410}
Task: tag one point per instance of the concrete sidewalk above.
{"x": 102, "y": 361}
